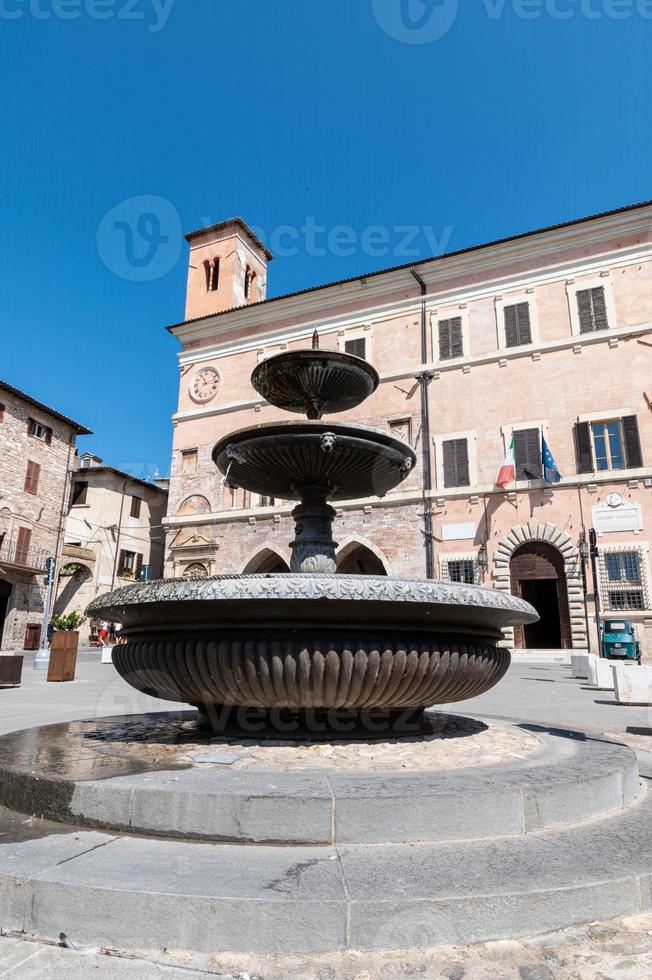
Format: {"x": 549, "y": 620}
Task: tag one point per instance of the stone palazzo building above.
{"x": 37, "y": 457}
{"x": 546, "y": 335}
{"x": 113, "y": 535}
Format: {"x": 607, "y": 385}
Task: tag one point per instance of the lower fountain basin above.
{"x": 300, "y": 643}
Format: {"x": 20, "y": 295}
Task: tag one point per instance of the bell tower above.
{"x": 227, "y": 267}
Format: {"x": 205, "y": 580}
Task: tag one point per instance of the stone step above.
{"x": 130, "y": 892}
{"x": 570, "y": 778}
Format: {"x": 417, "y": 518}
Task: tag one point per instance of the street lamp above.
{"x": 483, "y": 559}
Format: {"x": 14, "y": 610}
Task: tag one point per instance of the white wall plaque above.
{"x": 458, "y": 532}
{"x": 617, "y": 514}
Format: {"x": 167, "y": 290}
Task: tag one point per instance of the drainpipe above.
{"x": 424, "y": 379}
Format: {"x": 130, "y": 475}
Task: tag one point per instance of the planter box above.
{"x": 11, "y": 671}
{"x": 63, "y": 656}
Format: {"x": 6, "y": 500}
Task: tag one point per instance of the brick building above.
{"x": 545, "y": 334}
{"x": 113, "y": 535}
{"x": 37, "y": 452}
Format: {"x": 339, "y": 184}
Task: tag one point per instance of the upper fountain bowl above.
{"x": 315, "y": 382}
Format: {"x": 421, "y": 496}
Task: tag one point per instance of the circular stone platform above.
{"x": 208, "y": 857}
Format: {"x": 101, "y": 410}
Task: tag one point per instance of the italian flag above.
{"x": 507, "y": 473}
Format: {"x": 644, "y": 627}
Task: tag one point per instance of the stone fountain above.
{"x": 312, "y": 649}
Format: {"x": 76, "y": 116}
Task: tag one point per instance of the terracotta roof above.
{"x": 241, "y": 223}
{"x": 111, "y": 469}
{"x": 408, "y": 265}
{"x": 79, "y": 429}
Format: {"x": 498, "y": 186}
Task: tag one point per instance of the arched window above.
{"x": 194, "y": 505}
{"x": 212, "y": 269}
{"x": 250, "y": 283}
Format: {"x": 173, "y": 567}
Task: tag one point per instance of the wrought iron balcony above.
{"x": 30, "y": 559}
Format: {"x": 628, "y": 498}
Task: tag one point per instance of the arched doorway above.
{"x": 266, "y": 562}
{"x": 538, "y": 575}
{"x": 357, "y": 559}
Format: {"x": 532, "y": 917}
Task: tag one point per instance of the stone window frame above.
{"x": 402, "y": 417}
{"x": 642, "y": 549}
{"x": 448, "y": 313}
{"x": 364, "y": 332}
{"x": 185, "y": 454}
{"x": 575, "y": 286}
{"x": 471, "y": 437}
{"x": 529, "y": 296}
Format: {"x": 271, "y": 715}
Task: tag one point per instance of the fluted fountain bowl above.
{"x": 315, "y": 382}
{"x": 349, "y": 461}
{"x": 311, "y": 645}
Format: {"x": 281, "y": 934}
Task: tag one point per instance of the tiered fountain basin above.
{"x": 366, "y": 647}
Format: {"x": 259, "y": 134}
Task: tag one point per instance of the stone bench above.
{"x": 632, "y": 684}
{"x": 600, "y": 673}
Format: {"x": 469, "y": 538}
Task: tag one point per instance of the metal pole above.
{"x": 593, "y": 538}
{"x": 42, "y": 655}
{"x": 424, "y": 378}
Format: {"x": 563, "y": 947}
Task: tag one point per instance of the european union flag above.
{"x": 551, "y": 472}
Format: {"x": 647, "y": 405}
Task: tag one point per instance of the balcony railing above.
{"x": 31, "y": 559}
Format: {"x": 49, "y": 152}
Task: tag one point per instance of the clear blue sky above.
{"x": 283, "y": 112}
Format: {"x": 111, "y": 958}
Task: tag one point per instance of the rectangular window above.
{"x": 622, "y": 580}
{"x": 36, "y": 430}
{"x": 189, "y": 461}
{"x": 127, "y": 564}
{"x": 450, "y": 338}
{"x": 607, "y": 445}
{"x": 455, "y": 453}
{"x": 462, "y": 571}
{"x": 135, "y": 506}
{"x": 32, "y": 477}
{"x": 517, "y": 325}
{"x": 23, "y": 543}
{"x": 592, "y": 309}
{"x": 79, "y": 492}
{"x": 356, "y": 346}
{"x": 527, "y": 454}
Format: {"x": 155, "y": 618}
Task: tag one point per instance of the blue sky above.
{"x": 294, "y": 113}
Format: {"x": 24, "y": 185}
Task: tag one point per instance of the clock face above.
{"x": 204, "y": 384}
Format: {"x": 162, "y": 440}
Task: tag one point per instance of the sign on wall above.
{"x": 617, "y": 514}
{"x": 458, "y": 532}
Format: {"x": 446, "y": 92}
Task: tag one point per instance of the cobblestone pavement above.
{"x": 619, "y": 950}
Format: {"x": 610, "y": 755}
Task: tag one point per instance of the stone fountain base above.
{"x": 170, "y": 839}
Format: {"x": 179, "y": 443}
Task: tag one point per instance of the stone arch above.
{"x": 266, "y": 560}
{"x": 359, "y": 556}
{"x": 74, "y": 576}
{"x": 535, "y": 531}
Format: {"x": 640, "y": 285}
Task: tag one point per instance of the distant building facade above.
{"x": 113, "y": 535}
{"x": 37, "y": 452}
{"x": 546, "y": 334}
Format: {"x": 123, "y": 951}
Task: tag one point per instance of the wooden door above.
{"x": 32, "y": 636}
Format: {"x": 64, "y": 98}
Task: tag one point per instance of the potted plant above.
{"x": 64, "y": 646}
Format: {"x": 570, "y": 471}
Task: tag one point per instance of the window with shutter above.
{"x": 23, "y": 543}
{"x": 356, "y": 346}
{"x": 121, "y": 562}
{"x": 138, "y": 566}
{"x": 592, "y": 309}
{"x": 633, "y": 454}
{"x": 527, "y": 454}
{"x": 32, "y": 477}
{"x": 583, "y": 447}
{"x": 518, "y": 330}
{"x": 135, "y": 506}
{"x": 608, "y": 445}
{"x": 456, "y": 462}
{"x": 450, "y": 338}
